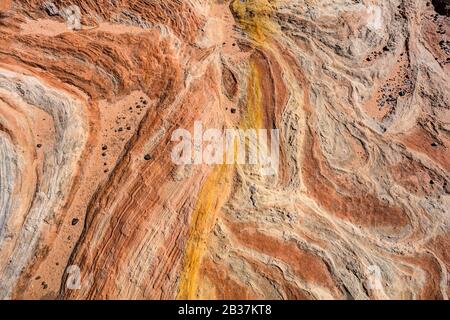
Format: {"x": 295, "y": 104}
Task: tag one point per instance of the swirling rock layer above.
{"x": 359, "y": 209}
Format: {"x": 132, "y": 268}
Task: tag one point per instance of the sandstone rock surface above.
{"x": 93, "y": 207}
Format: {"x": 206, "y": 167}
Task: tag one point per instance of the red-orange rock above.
{"x": 92, "y": 205}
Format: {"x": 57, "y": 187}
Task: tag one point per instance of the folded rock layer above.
{"x": 93, "y": 205}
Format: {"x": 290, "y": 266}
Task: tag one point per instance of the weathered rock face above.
{"x": 92, "y": 206}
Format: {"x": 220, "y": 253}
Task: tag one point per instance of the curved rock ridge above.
{"x": 93, "y": 205}
{"x": 34, "y": 184}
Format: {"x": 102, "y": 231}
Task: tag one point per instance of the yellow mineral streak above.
{"x": 253, "y": 16}
{"x": 253, "y": 117}
{"x": 211, "y": 197}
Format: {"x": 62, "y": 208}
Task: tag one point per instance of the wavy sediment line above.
{"x": 8, "y": 167}
{"x": 254, "y": 17}
{"x": 358, "y": 91}
{"x": 211, "y": 198}
{"x": 39, "y": 195}
{"x": 215, "y": 190}
{"x": 213, "y": 195}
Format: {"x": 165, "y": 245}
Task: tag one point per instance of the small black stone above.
{"x": 147, "y": 157}
{"x": 75, "y": 221}
{"x": 39, "y": 145}
{"x": 233, "y": 110}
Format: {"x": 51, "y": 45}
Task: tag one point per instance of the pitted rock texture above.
{"x": 93, "y": 207}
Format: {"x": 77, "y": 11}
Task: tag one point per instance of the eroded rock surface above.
{"x": 93, "y": 207}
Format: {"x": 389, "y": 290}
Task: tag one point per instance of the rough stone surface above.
{"x": 359, "y": 90}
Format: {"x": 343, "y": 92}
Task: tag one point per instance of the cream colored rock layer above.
{"x": 359, "y": 90}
